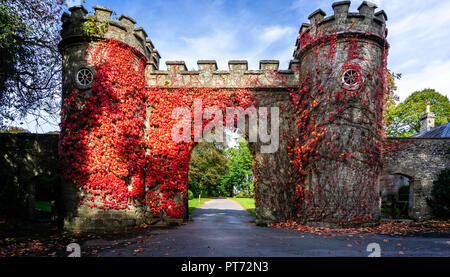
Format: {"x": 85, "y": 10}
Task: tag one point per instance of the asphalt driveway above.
{"x": 222, "y": 228}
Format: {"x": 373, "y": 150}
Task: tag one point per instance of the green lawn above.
{"x": 389, "y": 210}
{"x": 194, "y": 203}
{"x": 43, "y": 206}
{"x": 247, "y": 203}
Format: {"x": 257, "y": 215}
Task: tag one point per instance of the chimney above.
{"x": 427, "y": 120}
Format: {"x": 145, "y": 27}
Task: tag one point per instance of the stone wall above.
{"x": 421, "y": 160}
{"x": 26, "y": 157}
{"x": 274, "y": 172}
{"x": 25, "y": 161}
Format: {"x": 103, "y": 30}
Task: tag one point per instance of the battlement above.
{"x": 238, "y": 76}
{"x": 366, "y": 21}
{"x": 123, "y": 30}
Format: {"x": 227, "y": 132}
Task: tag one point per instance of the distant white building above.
{"x": 232, "y": 137}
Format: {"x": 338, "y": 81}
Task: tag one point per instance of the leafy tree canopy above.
{"x": 14, "y": 130}
{"x": 391, "y": 96}
{"x": 403, "y": 120}
{"x": 30, "y": 65}
{"x": 207, "y": 167}
{"x": 240, "y": 173}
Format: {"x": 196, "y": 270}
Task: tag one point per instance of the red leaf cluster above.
{"x": 117, "y": 154}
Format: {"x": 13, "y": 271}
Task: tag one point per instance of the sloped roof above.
{"x": 442, "y": 131}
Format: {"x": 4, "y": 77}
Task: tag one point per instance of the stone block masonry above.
{"x": 421, "y": 160}
{"x": 322, "y": 46}
{"x": 26, "y": 161}
{"x": 329, "y": 161}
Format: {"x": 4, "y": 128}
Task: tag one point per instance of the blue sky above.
{"x": 254, "y": 30}
{"x": 190, "y": 30}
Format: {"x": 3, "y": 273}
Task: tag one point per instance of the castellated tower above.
{"x": 340, "y": 100}
{"x": 75, "y": 41}
{"x": 83, "y": 55}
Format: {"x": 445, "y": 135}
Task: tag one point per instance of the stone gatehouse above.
{"x": 329, "y": 161}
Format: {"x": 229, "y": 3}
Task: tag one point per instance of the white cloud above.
{"x": 377, "y": 2}
{"x": 71, "y": 3}
{"x": 274, "y": 33}
{"x": 405, "y": 65}
{"x": 223, "y": 43}
{"x": 421, "y": 21}
{"x": 435, "y": 75}
{"x": 218, "y": 46}
{"x": 419, "y": 37}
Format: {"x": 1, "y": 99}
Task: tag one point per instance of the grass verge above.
{"x": 194, "y": 203}
{"x": 247, "y": 203}
{"x": 43, "y": 206}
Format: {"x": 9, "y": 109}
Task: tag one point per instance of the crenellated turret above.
{"x": 342, "y": 62}
{"x": 365, "y": 22}
{"x": 124, "y": 30}
{"x": 82, "y": 60}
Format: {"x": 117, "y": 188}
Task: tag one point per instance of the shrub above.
{"x": 440, "y": 201}
{"x": 190, "y": 195}
{"x": 44, "y": 188}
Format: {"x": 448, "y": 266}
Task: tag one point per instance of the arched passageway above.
{"x": 396, "y": 190}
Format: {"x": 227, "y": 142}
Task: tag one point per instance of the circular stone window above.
{"x": 350, "y": 79}
{"x": 84, "y": 78}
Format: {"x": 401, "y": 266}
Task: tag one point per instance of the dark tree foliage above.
{"x": 30, "y": 73}
{"x": 440, "y": 201}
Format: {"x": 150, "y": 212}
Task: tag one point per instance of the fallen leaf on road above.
{"x": 139, "y": 250}
{"x": 385, "y": 227}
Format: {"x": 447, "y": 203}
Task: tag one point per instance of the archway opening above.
{"x": 395, "y": 196}
{"x": 221, "y": 170}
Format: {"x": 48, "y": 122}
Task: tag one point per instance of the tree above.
{"x": 14, "y": 130}
{"x": 207, "y": 167}
{"x": 404, "y": 119}
{"x": 30, "y": 65}
{"x": 391, "y": 96}
{"x": 240, "y": 174}
{"x": 440, "y": 202}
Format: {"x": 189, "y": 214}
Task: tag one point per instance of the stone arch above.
{"x": 415, "y": 186}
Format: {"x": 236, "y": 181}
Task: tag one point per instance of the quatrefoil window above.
{"x": 85, "y": 77}
{"x": 350, "y": 77}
